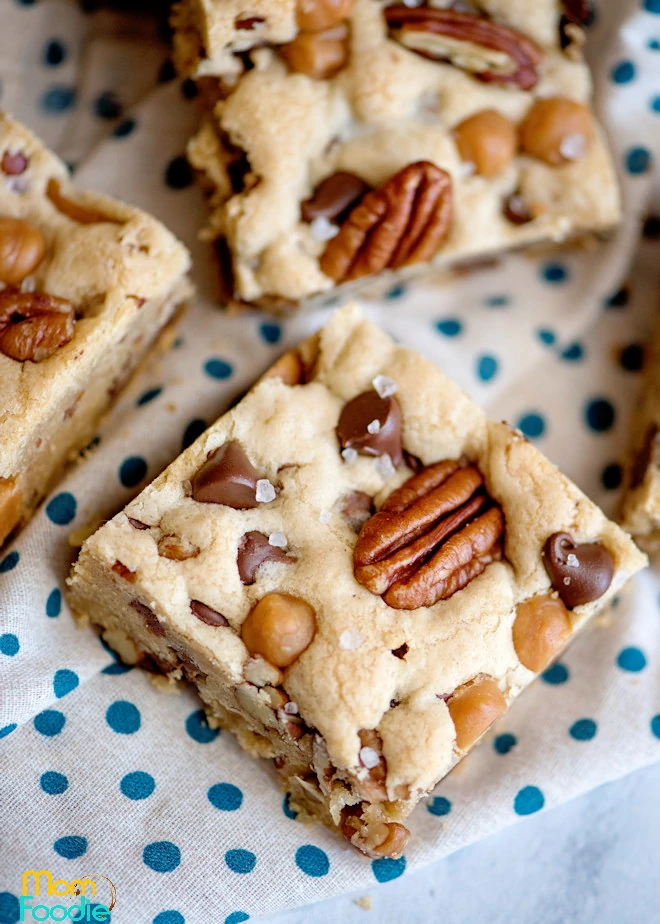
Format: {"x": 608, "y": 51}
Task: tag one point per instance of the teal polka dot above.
{"x": 637, "y": 160}
{"x": 450, "y": 327}
{"x": 396, "y": 292}
{"x": 498, "y": 301}
{"x": 225, "y": 796}
{"x": 194, "y": 429}
{"x": 312, "y": 860}
{"x": 618, "y": 299}
{"x": 554, "y": 273}
{"x": 53, "y": 783}
{"x": 632, "y": 660}
{"x": 386, "y": 869}
{"x": 438, "y": 806}
{"x": 61, "y": 509}
{"x": 148, "y": 396}
{"x": 573, "y": 353}
{"x": 9, "y": 644}
{"x": 528, "y": 800}
{"x": 623, "y": 72}
{"x": 132, "y": 471}
{"x": 504, "y": 743}
{"x": 198, "y": 728}
{"x": 555, "y": 675}
{"x": 58, "y": 99}
{"x": 161, "y": 856}
{"x": 654, "y": 104}
{"x": 270, "y": 333}
{"x": 64, "y": 682}
{"x": 237, "y": 917}
{"x": 217, "y": 368}
{"x": 487, "y": 367}
{"x": 611, "y": 476}
{"x": 49, "y": 723}
{"x": 123, "y": 717}
{"x": 9, "y": 562}
{"x": 54, "y": 603}
{"x": 546, "y": 336}
{"x": 599, "y": 414}
{"x": 240, "y": 861}
{"x": 137, "y": 785}
{"x": 54, "y": 53}
{"x": 655, "y": 726}
{"x": 652, "y": 6}
{"x": 532, "y": 425}
{"x": 169, "y": 917}
{"x": 125, "y": 128}
{"x": 286, "y": 807}
{"x": 70, "y": 847}
{"x": 8, "y": 729}
{"x": 583, "y": 730}
{"x": 653, "y": 44}
{"x": 10, "y": 908}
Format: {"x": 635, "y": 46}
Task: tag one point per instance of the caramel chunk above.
{"x": 279, "y": 628}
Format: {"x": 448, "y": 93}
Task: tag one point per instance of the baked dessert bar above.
{"x": 86, "y": 284}
{"x": 348, "y": 138}
{"x": 641, "y": 506}
{"x": 358, "y": 571}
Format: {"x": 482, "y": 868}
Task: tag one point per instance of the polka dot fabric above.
{"x": 172, "y": 807}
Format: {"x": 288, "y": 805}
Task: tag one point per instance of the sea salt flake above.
{"x": 350, "y": 639}
{"x": 373, "y": 427}
{"x": 349, "y": 455}
{"x": 466, "y": 168}
{"x": 385, "y": 467}
{"x": 323, "y": 230}
{"x": 29, "y": 284}
{"x": 385, "y": 386}
{"x": 369, "y": 758}
{"x": 325, "y": 516}
{"x": 572, "y": 560}
{"x": 573, "y": 146}
{"x": 291, "y": 708}
{"x": 278, "y": 539}
{"x": 567, "y": 581}
{"x": 265, "y": 491}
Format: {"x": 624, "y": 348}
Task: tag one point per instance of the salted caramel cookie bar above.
{"x": 86, "y": 284}
{"x": 343, "y": 139}
{"x": 359, "y": 573}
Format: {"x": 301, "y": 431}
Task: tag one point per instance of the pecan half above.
{"x": 33, "y": 324}
{"x": 404, "y": 221}
{"x": 430, "y": 538}
{"x": 492, "y": 52}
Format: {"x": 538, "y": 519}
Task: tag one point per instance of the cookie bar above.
{"x": 343, "y": 139}
{"x": 358, "y": 571}
{"x": 86, "y": 284}
{"x": 641, "y": 506}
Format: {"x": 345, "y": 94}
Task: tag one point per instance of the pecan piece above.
{"x": 83, "y": 214}
{"x": 492, "y": 52}
{"x": 404, "y": 221}
{"x": 33, "y": 325}
{"x": 431, "y": 537}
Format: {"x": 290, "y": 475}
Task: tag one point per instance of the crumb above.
{"x": 364, "y": 902}
{"x": 168, "y": 684}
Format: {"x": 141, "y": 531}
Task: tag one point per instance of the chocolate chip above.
{"x": 372, "y": 425}
{"x": 253, "y": 551}
{"x": 207, "y": 615}
{"x": 249, "y": 22}
{"x": 138, "y": 524}
{"x": 227, "y": 477}
{"x": 580, "y": 12}
{"x": 334, "y": 197}
{"x": 401, "y": 651}
{"x": 14, "y": 164}
{"x": 517, "y": 210}
{"x": 356, "y": 508}
{"x": 413, "y": 462}
{"x": 579, "y": 573}
{"x": 151, "y": 621}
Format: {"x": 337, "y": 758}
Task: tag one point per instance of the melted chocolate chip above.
{"x": 253, "y": 551}
{"x": 14, "y": 164}
{"x": 138, "y": 524}
{"x": 334, "y": 197}
{"x": 372, "y": 425}
{"x": 249, "y": 22}
{"x": 401, "y": 651}
{"x": 227, "y": 477}
{"x": 579, "y": 573}
{"x": 516, "y": 210}
{"x": 356, "y": 508}
{"x": 151, "y": 621}
{"x": 580, "y": 12}
{"x": 207, "y": 615}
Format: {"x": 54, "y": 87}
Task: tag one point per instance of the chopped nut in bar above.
{"x": 81, "y": 277}
{"x": 348, "y": 139}
{"x": 365, "y": 624}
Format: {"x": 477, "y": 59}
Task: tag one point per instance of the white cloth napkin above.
{"x": 100, "y": 773}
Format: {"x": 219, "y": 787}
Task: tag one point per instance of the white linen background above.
{"x": 538, "y": 340}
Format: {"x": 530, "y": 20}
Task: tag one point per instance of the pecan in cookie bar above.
{"x": 345, "y": 139}
{"x": 86, "y": 284}
{"x": 359, "y": 573}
